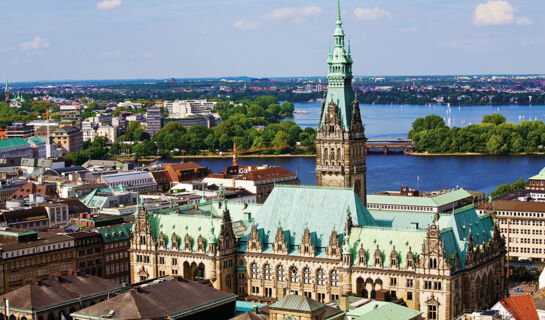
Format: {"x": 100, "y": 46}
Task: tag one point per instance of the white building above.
{"x": 128, "y": 103}
{"x": 183, "y": 108}
{"x": 108, "y": 132}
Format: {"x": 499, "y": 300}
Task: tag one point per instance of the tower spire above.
{"x": 339, "y": 22}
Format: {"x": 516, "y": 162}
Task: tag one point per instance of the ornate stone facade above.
{"x": 453, "y": 263}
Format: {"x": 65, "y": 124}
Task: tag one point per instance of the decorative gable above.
{"x": 174, "y": 245}
{"x": 254, "y": 242}
{"x": 378, "y": 263}
{"x": 362, "y": 257}
{"x": 334, "y": 248}
{"x": 306, "y": 248}
{"x": 187, "y": 243}
{"x": 280, "y": 245}
{"x": 200, "y": 244}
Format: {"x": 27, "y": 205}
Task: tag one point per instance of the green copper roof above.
{"x": 195, "y": 222}
{"x": 380, "y": 310}
{"x": 36, "y": 140}
{"x": 539, "y": 176}
{"x": 12, "y": 142}
{"x": 116, "y": 233}
{"x": 320, "y": 209}
{"x": 387, "y": 239}
{"x": 455, "y": 228}
{"x": 339, "y": 77}
{"x": 297, "y": 303}
{"x": 436, "y": 201}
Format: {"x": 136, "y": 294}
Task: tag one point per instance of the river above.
{"x": 389, "y": 172}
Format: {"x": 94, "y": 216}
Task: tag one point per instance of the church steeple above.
{"x": 6, "y": 93}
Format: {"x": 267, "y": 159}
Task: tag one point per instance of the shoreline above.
{"x": 416, "y": 154}
{"x": 460, "y": 154}
{"x": 245, "y": 156}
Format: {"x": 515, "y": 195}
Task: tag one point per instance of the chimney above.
{"x": 280, "y": 292}
{"x": 343, "y": 303}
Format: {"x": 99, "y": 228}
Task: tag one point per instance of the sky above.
{"x": 136, "y": 39}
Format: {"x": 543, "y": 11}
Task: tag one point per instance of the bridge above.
{"x": 387, "y": 145}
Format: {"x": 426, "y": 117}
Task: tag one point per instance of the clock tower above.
{"x": 340, "y": 140}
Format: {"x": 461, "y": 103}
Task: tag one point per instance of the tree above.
{"x": 144, "y": 148}
{"x": 494, "y": 118}
{"x": 506, "y": 188}
{"x": 256, "y": 111}
{"x": 281, "y": 139}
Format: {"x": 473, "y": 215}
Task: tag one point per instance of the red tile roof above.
{"x": 514, "y": 205}
{"x": 255, "y": 173}
{"x": 521, "y": 307}
{"x": 25, "y": 190}
{"x": 173, "y": 169}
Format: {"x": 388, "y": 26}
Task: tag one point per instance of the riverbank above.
{"x": 463, "y": 154}
{"x": 246, "y": 156}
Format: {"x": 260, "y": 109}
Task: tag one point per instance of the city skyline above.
{"x": 120, "y": 39}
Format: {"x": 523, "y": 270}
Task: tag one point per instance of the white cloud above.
{"x": 409, "y": 30}
{"x": 108, "y": 4}
{"x": 5, "y": 49}
{"x": 245, "y": 25}
{"x": 497, "y": 12}
{"x": 371, "y": 13}
{"x": 298, "y": 14}
{"x": 37, "y": 44}
{"x": 452, "y": 43}
{"x": 524, "y": 21}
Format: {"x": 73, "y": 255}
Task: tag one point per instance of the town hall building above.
{"x": 322, "y": 241}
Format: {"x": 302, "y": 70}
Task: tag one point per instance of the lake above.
{"x": 394, "y": 121}
{"x": 389, "y": 172}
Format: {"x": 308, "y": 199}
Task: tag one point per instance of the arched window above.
{"x": 393, "y": 262}
{"x": 320, "y": 277}
{"x": 339, "y": 154}
{"x": 332, "y": 155}
{"x": 294, "y": 277}
{"x": 307, "y": 279}
{"x": 334, "y": 278}
{"x": 433, "y": 263}
{"x": 280, "y": 276}
{"x": 254, "y": 270}
{"x": 267, "y": 272}
{"x": 325, "y": 154}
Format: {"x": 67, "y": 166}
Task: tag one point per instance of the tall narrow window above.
{"x": 267, "y": 272}
{"x": 334, "y": 278}
{"x": 320, "y": 277}
{"x": 280, "y": 273}
{"x": 306, "y": 276}
{"x": 254, "y": 270}
{"x": 293, "y": 275}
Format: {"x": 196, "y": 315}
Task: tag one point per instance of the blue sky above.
{"x": 122, "y": 39}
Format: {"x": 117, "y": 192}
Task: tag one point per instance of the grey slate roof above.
{"x": 160, "y": 298}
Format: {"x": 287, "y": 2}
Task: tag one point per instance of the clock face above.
{"x": 357, "y": 186}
